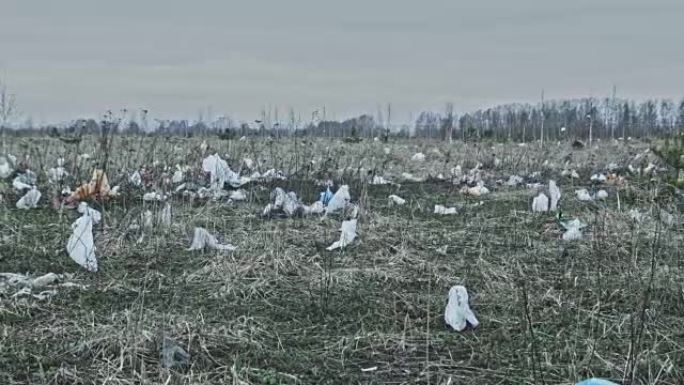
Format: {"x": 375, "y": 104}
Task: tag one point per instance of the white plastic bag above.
{"x": 220, "y": 173}
{"x": 202, "y": 239}
{"x": 540, "y": 203}
{"x": 458, "y": 312}
{"x": 397, "y": 200}
{"x": 554, "y": 195}
{"x": 29, "y": 200}
{"x": 339, "y": 201}
{"x": 583, "y": 195}
{"x": 135, "y": 179}
{"x": 348, "y": 235}
{"x": 442, "y": 210}
{"x": 514, "y": 180}
{"x": 573, "y": 230}
{"x": 418, "y": 157}
{"x": 238, "y": 195}
{"x": 153, "y": 197}
{"x": 81, "y": 245}
{"x": 601, "y": 194}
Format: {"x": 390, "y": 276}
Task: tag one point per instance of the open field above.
{"x": 283, "y": 310}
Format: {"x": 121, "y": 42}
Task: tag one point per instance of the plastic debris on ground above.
{"x": 554, "y": 194}
{"x": 178, "y": 177}
{"x": 601, "y": 194}
{"x": 202, "y": 240}
{"x": 29, "y": 200}
{"x": 81, "y": 245}
{"x": 24, "y": 181}
{"x": 636, "y": 215}
{"x": 153, "y": 197}
{"x": 600, "y": 178}
{"x": 135, "y": 179}
{"x": 442, "y": 210}
{"x": 326, "y": 196}
{"x": 164, "y": 219}
{"x": 418, "y": 157}
{"x": 172, "y": 355}
{"x": 348, "y": 235}
{"x": 572, "y": 230}
{"x": 6, "y": 169}
{"x": 540, "y": 203}
{"x": 476, "y": 191}
{"x": 339, "y": 200}
{"x": 57, "y": 174}
{"x": 596, "y": 381}
{"x": 97, "y": 188}
{"x": 379, "y": 180}
{"x": 583, "y": 195}
{"x": 237, "y": 195}
{"x": 514, "y": 181}
{"x": 458, "y": 313}
{"x": 397, "y": 200}
{"x": 220, "y": 173}
{"x": 411, "y": 178}
{"x": 283, "y": 203}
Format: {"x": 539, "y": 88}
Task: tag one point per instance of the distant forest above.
{"x": 558, "y": 119}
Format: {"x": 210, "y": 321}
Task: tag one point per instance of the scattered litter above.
{"x": 315, "y": 208}
{"x": 514, "y": 180}
{"x": 220, "y": 173}
{"x": 6, "y": 168}
{"x": 165, "y": 216}
{"x": 348, "y": 235}
{"x": 572, "y": 230}
{"x": 29, "y": 200}
{"x": 601, "y": 194}
{"x": 238, "y": 195}
{"x": 153, "y": 197}
{"x": 583, "y": 195}
{"x": 476, "y": 191}
{"x": 97, "y": 188}
{"x": 379, "y": 180}
{"x": 397, "y": 200}
{"x": 135, "y": 179}
{"x": 418, "y": 157}
{"x": 326, "y": 196}
{"x": 598, "y": 178}
{"x": 339, "y": 201}
{"x": 458, "y": 313}
{"x": 202, "y": 239}
{"x": 442, "y": 210}
{"x": 571, "y": 173}
{"x": 596, "y": 381}
{"x": 411, "y": 178}
{"x": 540, "y": 204}
{"x": 81, "y": 245}
{"x": 555, "y": 195}
{"x": 57, "y": 174}
{"x": 172, "y": 355}
{"x": 178, "y": 176}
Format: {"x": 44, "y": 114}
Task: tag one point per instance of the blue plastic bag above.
{"x": 326, "y": 196}
{"x": 595, "y": 381}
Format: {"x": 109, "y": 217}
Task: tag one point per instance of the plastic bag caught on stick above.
{"x": 81, "y": 245}
{"x": 348, "y": 235}
{"x": 339, "y": 201}
{"x": 458, "y": 313}
{"x": 202, "y": 239}
{"x": 29, "y": 200}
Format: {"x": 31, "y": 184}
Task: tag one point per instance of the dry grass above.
{"x": 281, "y": 309}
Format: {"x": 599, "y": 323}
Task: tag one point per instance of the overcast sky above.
{"x": 69, "y": 58}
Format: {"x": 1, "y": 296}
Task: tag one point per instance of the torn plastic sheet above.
{"x": 339, "y": 201}
{"x": 554, "y": 194}
{"x": 540, "y": 203}
{"x": 348, "y": 235}
{"x": 458, "y": 313}
{"x": 202, "y": 240}
{"x": 443, "y": 210}
{"x": 81, "y": 245}
{"x": 397, "y": 200}
{"x": 29, "y": 200}
{"x": 326, "y": 196}
{"x": 220, "y": 173}
{"x": 572, "y": 230}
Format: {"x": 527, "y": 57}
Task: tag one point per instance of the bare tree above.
{"x": 8, "y": 108}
